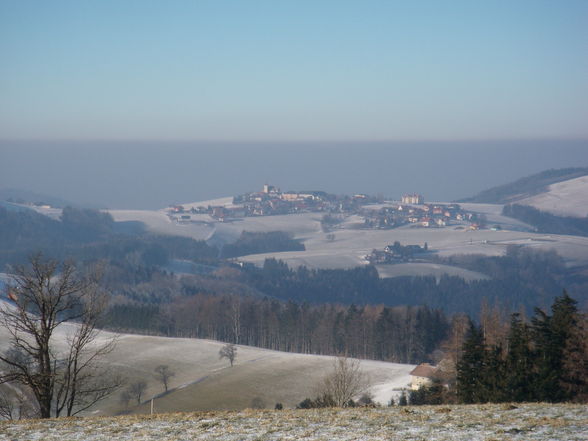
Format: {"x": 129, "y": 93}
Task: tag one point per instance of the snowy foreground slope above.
{"x": 202, "y": 381}
{"x": 539, "y": 422}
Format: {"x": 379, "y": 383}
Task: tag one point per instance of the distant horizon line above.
{"x": 290, "y": 141}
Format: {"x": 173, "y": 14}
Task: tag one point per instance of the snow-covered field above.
{"x": 205, "y": 382}
{"x": 537, "y": 422}
{"x": 351, "y": 243}
{"x": 567, "y": 198}
{"x": 159, "y": 222}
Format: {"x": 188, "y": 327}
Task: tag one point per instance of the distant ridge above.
{"x": 25, "y": 196}
{"x": 526, "y": 187}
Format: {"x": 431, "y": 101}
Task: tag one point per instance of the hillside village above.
{"x": 376, "y": 213}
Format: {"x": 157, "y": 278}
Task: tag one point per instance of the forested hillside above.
{"x": 547, "y": 222}
{"x": 334, "y": 311}
{"x": 91, "y": 235}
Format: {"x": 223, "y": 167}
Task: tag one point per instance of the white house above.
{"x": 422, "y": 375}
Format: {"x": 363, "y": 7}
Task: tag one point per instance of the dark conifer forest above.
{"x": 544, "y": 359}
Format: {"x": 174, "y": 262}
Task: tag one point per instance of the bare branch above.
{"x": 344, "y": 383}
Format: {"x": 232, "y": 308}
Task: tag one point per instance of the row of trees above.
{"x": 256, "y": 243}
{"x": 399, "y": 334}
{"x": 543, "y": 360}
{"x": 547, "y": 222}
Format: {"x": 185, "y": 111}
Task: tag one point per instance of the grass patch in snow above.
{"x": 433, "y": 423}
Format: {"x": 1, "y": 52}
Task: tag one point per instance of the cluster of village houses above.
{"x": 423, "y": 215}
{"x": 271, "y": 201}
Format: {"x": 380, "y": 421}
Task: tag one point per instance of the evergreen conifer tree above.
{"x": 519, "y": 363}
{"x": 493, "y": 376}
{"x": 470, "y": 368}
{"x": 550, "y": 335}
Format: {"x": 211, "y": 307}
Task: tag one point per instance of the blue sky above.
{"x": 293, "y": 70}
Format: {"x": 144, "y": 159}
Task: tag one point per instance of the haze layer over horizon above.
{"x": 293, "y": 70}
{"x": 139, "y": 175}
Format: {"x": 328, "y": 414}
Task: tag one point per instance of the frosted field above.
{"x": 204, "y": 382}
{"x": 204, "y": 227}
{"x": 159, "y": 222}
{"x": 493, "y": 213}
{"x": 538, "y": 422}
{"x": 567, "y": 198}
{"x": 352, "y": 244}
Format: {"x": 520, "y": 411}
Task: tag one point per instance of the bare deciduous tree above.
{"x": 45, "y": 296}
{"x": 452, "y": 346}
{"x": 17, "y": 403}
{"x": 346, "y": 381}
{"x": 137, "y": 389}
{"x": 124, "y": 398}
{"x": 163, "y": 373}
{"x": 228, "y": 351}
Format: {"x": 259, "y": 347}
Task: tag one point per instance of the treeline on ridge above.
{"x": 87, "y": 234}
{"x": 400, "y": 334}
{"x": 546, "y": 222}
{"x": 257, "y": 243}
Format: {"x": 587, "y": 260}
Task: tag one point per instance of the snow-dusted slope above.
{"x": 203, "y": 381}
{"x": 567, "y": 198}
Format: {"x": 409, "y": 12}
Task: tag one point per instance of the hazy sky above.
{"x": 156, "y": 174}
{"x": 293, "y": 70}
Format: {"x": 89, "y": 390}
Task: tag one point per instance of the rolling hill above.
{"x": 526, "y": 187}
{"x": 351, "y": 243}
{"x": 203, "y": 381}
{"x": 566, "y": 198}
